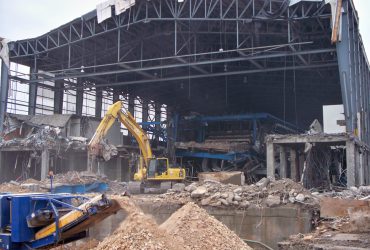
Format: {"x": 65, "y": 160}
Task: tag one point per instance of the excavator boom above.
{"x": 117, "y": 111}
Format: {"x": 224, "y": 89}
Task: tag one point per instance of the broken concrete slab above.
{"x": 330, "y": 207}
{"x": 235, "y": 177}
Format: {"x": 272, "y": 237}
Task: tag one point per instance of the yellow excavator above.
{"x": 150, "y": 171}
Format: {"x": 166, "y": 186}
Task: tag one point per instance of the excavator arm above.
{"x": 117, "y": 111}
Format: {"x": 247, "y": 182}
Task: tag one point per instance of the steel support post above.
{"x": 98, "y": 103}
{"x": 4, "y": 87}
{"x": 79, "y": 98}
{"x": 32, "y": 92}
{"x": 157, "y": 119}
{"x": 344, "y": 62}
{"x": 145, "y": 110}
{"x": 115, "y": 95}
{"x": 131, "y": 104}
{"x": 58, "y": 97}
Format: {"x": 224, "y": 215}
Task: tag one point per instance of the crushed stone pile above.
{"x": 266, "y": 192}
{"x": 68, "y": 178}
{"x": 138, "y": 231}
{"x": 188, "y": 228}
{"x": 357, "y": 193}
{"x": 199, "y": 230}
{"x": 12, "y": 187}
{"x": 74, "y": 177}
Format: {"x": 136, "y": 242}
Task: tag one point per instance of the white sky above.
{"x": 21, "y": 19}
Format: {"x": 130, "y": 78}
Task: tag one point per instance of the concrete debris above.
{"x": 272, "y": 201}
{"x": 68, "y": 178}
{"x": 300, "y": 198}
{"x": 265, "y": 192}
{"x": 199, "y": 230}
{"x": 199, "y": 192}
{"x": 233, "y": 177}
{"x": 39, "y": 138}
{"x": 190, "y": 227}
{"x": 345, "y": 224}
{"x": 178, "y": 187}
{"x": 13, "y": 188}
{"x": 362, "y": 192}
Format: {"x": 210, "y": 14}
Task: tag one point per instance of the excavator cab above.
{"x": 160, "y": 170}
{"x": 157, "y": 167}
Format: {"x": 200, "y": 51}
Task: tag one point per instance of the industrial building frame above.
{"x": 185, "y": 54}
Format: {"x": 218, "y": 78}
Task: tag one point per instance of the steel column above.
{"x": 98, "y": 103}
{"x": 58, "y": 97}
{"x": 4, "y": 87}
{"x": 32, "y": 92}
{"x": 344, "y": 64}
{"x": 79, "y": 98}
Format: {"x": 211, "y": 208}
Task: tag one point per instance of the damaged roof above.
{"x": 56, "y": 120}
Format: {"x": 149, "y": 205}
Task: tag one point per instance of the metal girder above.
{"x": 191, "y": 64}
{"x": 154, "y": 11}
{"x": 318, "y": 66}
{"x": 4, "y": 87}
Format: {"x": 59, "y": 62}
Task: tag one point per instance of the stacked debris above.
{"x": 349, "y": 232}
{"x": 188, "y": 228}
{"x": 85, "y": 177}
{"x": 266, "y": 192}
{"x": 137, "y": 231}
{"x": 74, "y": 177}
{"x": 68, "y": 178}
{"x": 360, "y": 193}
{"x": 199, "y": 230}
{"x": 39, "y": 132}
{"x": 13, "y": 187}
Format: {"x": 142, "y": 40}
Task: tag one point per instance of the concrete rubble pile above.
{"x": 348, "y": 232}
{"x": 360, "y": 193}
{"x": 39, "y": 138}
{"x": 68, "y": 178}
{"x": 199, "y": 230}
{"x": 266, "y": 192}
{"x": 188, "y": 228}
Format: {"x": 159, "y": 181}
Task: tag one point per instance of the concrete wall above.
{"x": 268, "y": 225}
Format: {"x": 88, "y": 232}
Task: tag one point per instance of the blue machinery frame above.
{"x": 16, "y": 208}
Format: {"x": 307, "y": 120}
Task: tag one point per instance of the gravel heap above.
{"x": 266, "y": 192}
{"x": 188, "y": 228}
{"x": 199, "y": 230}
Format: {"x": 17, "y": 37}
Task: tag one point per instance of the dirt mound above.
{"x": 138, "y": 231}
{"x": 199, "y": 230}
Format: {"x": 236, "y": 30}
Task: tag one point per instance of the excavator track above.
{"x": 135, "y": 187}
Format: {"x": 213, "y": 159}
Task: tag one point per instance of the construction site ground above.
{"x": 280, "y": 213}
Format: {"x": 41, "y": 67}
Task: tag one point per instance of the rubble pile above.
{"x": 190, "y": 227}
{"x": 266, "y": 192}
{"x": 69, "y": 178}
{"x": 199, "y": 230}
{"x": 40, "y": 138}
{"x": 13, "y": 187}
{"x": 74, "y": 177}
{"x": 138, "y": 231}
{"x": 360, "y": 193}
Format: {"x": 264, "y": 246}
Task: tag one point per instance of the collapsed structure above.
{"x": 232, "y": 72}
{"x": 237, "y": 86}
